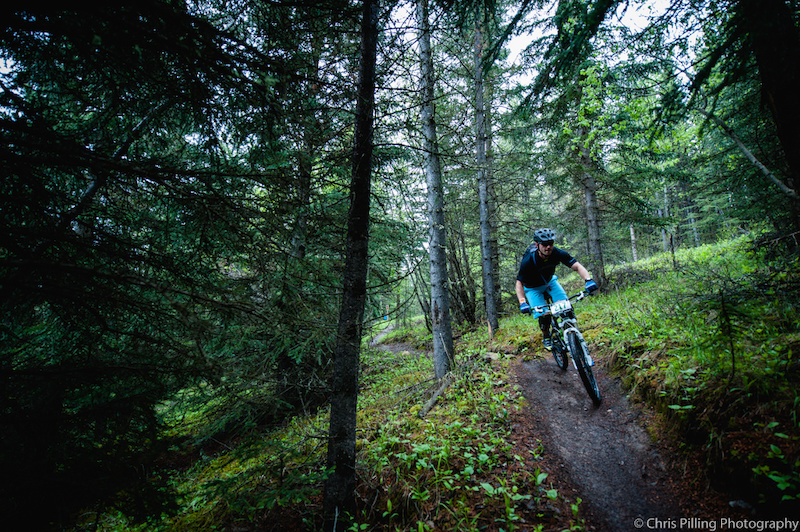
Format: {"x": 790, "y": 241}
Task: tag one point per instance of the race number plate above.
{"x": 560, "y": 306}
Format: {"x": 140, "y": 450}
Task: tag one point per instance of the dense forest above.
{"x": 208, "y": 206}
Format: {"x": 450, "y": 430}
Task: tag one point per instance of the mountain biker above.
{"x": 536, "y": 278}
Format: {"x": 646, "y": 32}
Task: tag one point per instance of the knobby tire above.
{"x": 579, "y": 353}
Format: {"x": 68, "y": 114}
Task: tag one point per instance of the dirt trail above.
{"x": 617, "y": 469}
{"x": 626, "y": 479}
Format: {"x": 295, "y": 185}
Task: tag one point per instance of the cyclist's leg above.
{"x": 556, "y": 291}
{"x": 536, "y": 298}
{"x": 544, "y": 324}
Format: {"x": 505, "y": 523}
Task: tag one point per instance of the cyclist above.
{"x": 536, "y": 278}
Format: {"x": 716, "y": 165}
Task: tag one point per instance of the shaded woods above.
{"x": 207, "y": 205}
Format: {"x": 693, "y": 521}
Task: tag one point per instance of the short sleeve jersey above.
{"x": 535, "y": 271}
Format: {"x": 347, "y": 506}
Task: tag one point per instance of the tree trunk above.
{"x": 664, "y": 239}
{"x": 668, "y": 232}
{"x": 443, "y": 355}
{"x": 597, "y": 265}
{"x": 483, "y": 188}
{"x": 492, "y": 200}
{"x": 593, "y": 227}
{"x": 309, "y": 141}
{"x": 339, "y": 498}
{"x": 292, "y": 390}
{"x": 690, "y": 214}
{"x": 421, "y": 291}
{"x": 633, "y": 244}
{"x": 775, "y": 40}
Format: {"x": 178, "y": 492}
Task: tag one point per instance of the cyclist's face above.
{"x": 546, "y": 248}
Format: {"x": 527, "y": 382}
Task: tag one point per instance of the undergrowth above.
{"x": 456, "y": 468}
{"x": 709, "y": 336}
{"x": 712, "y": 341}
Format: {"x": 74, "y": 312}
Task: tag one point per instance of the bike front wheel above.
{"x": 580, "y": 356}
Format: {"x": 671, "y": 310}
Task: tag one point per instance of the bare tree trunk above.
{"x": 339, "y": 498}
{"x": 492, "y": 200}
{"x": 483, "y": 188}
{"x": 443, "y": 356}
{"x": 775, "y": 41}
{"x": 633, "y": 244}
{"x": 668, "y": 234}
{"x": 692, "y": 222}
{"x": 592, "y": 210}
{"x": 593, "y": 226}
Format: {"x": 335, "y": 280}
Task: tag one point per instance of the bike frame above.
{"x": 563, "y": 317}
{"x": 565, "y": 326}
{"x": 564, "y": 320}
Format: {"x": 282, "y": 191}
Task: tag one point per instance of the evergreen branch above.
{"x": 787, "y": 191}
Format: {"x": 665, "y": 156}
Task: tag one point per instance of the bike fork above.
{"x": 588, "y": 357}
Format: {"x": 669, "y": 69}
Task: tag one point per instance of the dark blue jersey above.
{"x": 535, "y": 271}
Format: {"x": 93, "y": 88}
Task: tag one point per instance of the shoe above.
{"x": 548, "y": 343}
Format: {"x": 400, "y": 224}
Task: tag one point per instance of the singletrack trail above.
{"x": 617, "y": 469}
{"x": 606, "y": 456}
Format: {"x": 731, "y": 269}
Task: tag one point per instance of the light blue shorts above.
{"x": 535, "y": 296}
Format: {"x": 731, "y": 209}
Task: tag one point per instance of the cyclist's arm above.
{"x": 583, "y": 272}
{"x": 520, "y": 292}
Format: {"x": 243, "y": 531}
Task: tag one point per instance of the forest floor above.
{"x": 615, "y": 457}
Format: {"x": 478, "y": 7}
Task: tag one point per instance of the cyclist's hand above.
{"x": 591, "y": 286}
{"x": 525, "y": 308}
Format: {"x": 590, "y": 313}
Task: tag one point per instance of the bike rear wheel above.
{"x": 560, "y": 353}
{"x": 580, "y": 355}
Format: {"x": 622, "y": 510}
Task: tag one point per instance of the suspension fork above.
{"x": 572, "y": 326}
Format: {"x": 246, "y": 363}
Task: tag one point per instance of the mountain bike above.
{"x": 568, "y": 342}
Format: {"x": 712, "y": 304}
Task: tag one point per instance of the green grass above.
{"x": 712, "y": 345}
{"x": 458, "y": 468}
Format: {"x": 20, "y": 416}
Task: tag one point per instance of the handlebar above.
{"x": 577, "y": 297}
{"x": 580, "y": 295}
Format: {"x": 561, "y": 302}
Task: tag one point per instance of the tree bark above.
{"x": 775, "y": 40}
{"x": 597, "y": 265}
{"x": 309, "y": 142}
{"x": 593, "y": 227}
{"x": 492, "y": 199}
{"x": 339, "y": 498}
{"x": 443, "y": 355}
{"x": 483, "y": 188}
{"x": 462, "y": 284}
{"x": 634, "y": 253}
